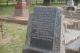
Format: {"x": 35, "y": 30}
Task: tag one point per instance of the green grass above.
{"x": 16, "y": 34}
{"x": 7, "y": 10}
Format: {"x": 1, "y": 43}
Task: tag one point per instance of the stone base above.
{"x": 31, "y": 51}
{"x": 71, "y": 8}
{"x": 21, "y": 12}
{"x": 78, "y": 11}
{"x": 21, "y": 18}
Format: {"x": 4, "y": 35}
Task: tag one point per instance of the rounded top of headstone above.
{"x": 51, "y": 9}
{"x": 70, "y": 3}
{"x": 48, "y": 7}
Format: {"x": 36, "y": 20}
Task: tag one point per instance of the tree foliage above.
{"x": 6, "y": 1}
{"x": 76, "y": 2}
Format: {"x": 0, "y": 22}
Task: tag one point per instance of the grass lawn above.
{"x": 7, "y": 10}
{"x": 14, "y": 39}
{"x": 15, "y": 34}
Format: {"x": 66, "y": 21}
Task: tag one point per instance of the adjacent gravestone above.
{"x": 78, "y": 8}
{"x": 70, "y": 5}
{"x": 21, "y": 10}
{"x": 45, "y": 31}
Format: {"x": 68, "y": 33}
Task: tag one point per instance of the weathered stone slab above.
{"x": 45, "y": 31}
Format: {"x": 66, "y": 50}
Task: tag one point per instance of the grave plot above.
{"x": 45, "y": 31}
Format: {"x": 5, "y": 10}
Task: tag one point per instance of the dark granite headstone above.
{"x": 45, "y": 31}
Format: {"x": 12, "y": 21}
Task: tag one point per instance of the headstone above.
{"x": 45, "y": 31}
{"x": 21, "y": 9}
{"x": 78, "y": 8}
{"x": 70, "y": 5}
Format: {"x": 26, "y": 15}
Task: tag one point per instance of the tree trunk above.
{"x": 52, "y": 0}
{"x": 76, "y": 2}
{"x": 0, "y": 3}
{"x": 46, "y": 2}
{"x": 7, "y": 3}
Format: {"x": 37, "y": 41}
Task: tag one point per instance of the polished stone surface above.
{"x": 45, "y": 31}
